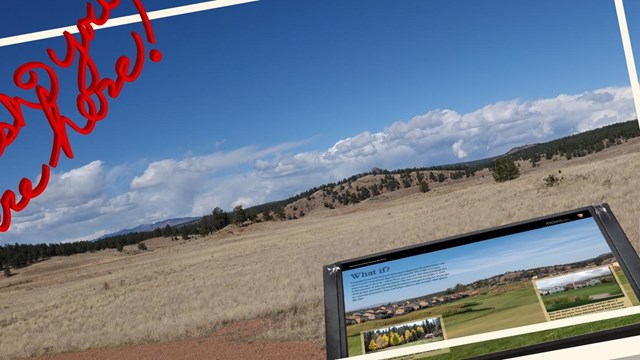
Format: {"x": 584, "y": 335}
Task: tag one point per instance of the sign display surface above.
{"x": 553, "y": 282}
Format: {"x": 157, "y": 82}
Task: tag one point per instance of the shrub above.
{"x": 424, "y": 187}
{"x": 551, "y": 180}
{"x": 142, "y": 246}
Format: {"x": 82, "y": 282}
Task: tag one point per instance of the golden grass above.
{"x": 273, "y": 270}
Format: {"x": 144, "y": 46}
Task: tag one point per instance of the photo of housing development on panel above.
{"x": 414, "y": 333}
{"x": 406, "y": 307}
{"x": 499, "y": 284}
{"x": 578, "y": 288}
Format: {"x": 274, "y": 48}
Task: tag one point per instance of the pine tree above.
{"x": 167, "y": 231}
{"x": 505, "y": 169}
{"x": 239, "y": 216}
{"x": 364, "y": 193}
{"x": 220, "y": 219}
{"x": 252, "y": 214}
{"x": 205, "y": 225}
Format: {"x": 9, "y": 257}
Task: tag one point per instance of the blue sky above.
{"x": 260, "y": 101}
{"x": 555, "y": 245}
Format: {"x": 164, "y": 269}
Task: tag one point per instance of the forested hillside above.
{"x": 348, "y": 191}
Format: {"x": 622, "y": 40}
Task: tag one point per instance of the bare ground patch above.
{"x": 230, "y": 342}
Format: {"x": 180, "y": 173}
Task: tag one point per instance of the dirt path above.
{"x": 220, "y": 345}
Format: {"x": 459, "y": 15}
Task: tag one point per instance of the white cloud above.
{"x": 77, "y": 202}
{"x": 76, "y": 186}
{"x": 457, "y": 149}
{"x": 488, "y": 131}
{"x": 71, "y": 197}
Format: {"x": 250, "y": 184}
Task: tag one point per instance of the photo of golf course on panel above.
{"x": 414, "y": 333}
{"x": 502, "y": 283}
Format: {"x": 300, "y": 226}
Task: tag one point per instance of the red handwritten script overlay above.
{"x": 92, "y": 103}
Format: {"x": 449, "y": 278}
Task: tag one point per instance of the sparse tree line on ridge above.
{"x": 345, "y": 192}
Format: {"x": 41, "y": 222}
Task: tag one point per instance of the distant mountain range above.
{"x": 150, "y": 227}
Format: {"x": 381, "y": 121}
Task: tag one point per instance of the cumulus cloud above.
{"x": 75, "y": 187}
{"x": 78, "y": 204}
{"x": 489, "y": 131}
{"x": 70, "y": 197}
{"x": 457, "y": 149}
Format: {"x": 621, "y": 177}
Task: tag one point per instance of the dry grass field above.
{"x": 273, "y": 270}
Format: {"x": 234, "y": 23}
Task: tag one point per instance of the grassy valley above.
{"x": 272, "y": 270}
